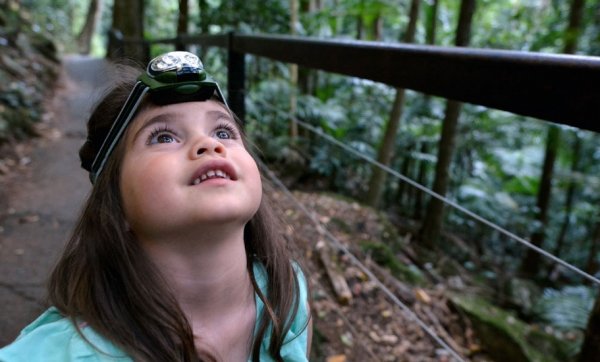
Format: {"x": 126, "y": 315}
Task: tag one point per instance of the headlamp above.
{"x": 173, "y": 77}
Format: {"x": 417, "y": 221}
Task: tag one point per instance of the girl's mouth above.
{"x": 210, "y": 174}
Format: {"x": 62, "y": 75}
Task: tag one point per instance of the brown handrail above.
{"x": 563, "y": 89}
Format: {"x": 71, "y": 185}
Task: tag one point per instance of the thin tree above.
{"x": 293, "y": 73}
{"x": 530, "y": 264}
{"x": 307, "y": 77}
{"x": 591, "y": 266}
{"x": 203, "y": 18}
{"x": 432, "y": 224}
{"x": 84, "y": 39}
{"x": 431, "y": 22}
{"x": 128, "y": 19}
{"x": 570, "y": 198}
{"x": 386, "y": 149}
{"x": 182, "y": 22}
{"x": 430, "y": 36}
{"x": 203, "y": 21}
{"x": 590, "y": 350}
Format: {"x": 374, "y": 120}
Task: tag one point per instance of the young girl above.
{"x": 176, "y": 256}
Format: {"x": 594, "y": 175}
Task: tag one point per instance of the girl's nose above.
{"x": 207, "y": 146}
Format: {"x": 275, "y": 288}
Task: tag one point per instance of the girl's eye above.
{"x": 161, "y": 135}
{"x": 164, "y": 138}
{"x": 223, "y": 134}
{"x": 226, "y": 132}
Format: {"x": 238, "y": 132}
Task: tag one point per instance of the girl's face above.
{"x": 185, "y": 166}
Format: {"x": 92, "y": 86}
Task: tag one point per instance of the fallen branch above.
{"x": 336, "y": 277}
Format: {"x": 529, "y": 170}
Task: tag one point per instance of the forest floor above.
{"x": 42, "y": 188}
{"x": 367, "y": 325}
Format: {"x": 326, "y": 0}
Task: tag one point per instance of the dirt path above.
{"x": 41, "y": 196}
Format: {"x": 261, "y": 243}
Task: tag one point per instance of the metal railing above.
{"x": 563, "y": 89}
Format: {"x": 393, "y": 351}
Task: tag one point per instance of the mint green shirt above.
{"x": 52, "y": 337}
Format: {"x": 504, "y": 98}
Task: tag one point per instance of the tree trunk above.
{"x": 128, "y": 18}
{"x": 385, "y": 152}
{"x": 591, "y": 266}
{"x": 531, "y": 262}
{"x": 590, "y": 350}
{"x": 202, "y": 22}
{"x": 574, "y": 29}
{"x": 409, "y": 36}
{"x": 359, "y": 28}
{"x": 378, "y": 27}
{"x": 432, "y": 225}
{"x": 430, "y": 35}
{"x": 421, "y": 179}
{"x": 384, "y": 155}
{"x": 432, "y": 22}
{"x": 182, "y": 22}
{"x": 570, "y": 196}
{"x": 293, "y": 74}
{"x": 84, "y": 39}
{"x": 402, "y": 187}
{"x": 434, "y": 215}
{"x": 203, "y": 18}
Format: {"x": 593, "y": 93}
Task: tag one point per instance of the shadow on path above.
{"x": 42, "y": 200}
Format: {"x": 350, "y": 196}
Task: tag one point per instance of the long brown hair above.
{"x": 105, "y": 279}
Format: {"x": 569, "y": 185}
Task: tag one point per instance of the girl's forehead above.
{"x": 204, "y": 109}
{"x": 184, "y": 108}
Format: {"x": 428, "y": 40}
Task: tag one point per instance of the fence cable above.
{"x": 445, "y": 200}
{"x": 358, "y": 263}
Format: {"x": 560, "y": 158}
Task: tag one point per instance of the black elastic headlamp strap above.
{"x": 116, "y": 131}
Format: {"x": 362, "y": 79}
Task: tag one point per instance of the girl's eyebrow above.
{"x": 218, "y": 114}
{"x": 160, "y": 118}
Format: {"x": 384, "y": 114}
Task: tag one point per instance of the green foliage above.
{"x": 271, "y": 16}
{"x": 61, "y": 19}
{"x": 28, "y": 69}
{"x": 161, "y": 18}
{"x": 567, "y": 308}
{"x": 503, "y": 334}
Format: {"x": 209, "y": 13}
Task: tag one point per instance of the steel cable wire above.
{"x": 445, "y": 200}
{"x": 358, "y": 263}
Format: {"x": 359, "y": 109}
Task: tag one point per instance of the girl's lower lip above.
{"x": 217, "y": 180}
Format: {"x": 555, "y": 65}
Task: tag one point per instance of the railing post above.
{"x": 236, "y": 77}
{"x": 179, "y": 45}
{"x": 146, "y": 51}
{"x": 115, "y": 44}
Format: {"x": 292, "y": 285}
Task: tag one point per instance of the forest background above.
{"x": 538, "y": 180}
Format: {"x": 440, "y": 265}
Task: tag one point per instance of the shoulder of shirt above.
{"x": 53, "y": 337}
{"x": 296, "y": 340}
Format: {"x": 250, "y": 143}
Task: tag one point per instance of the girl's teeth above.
{"x": 211, "y": 174}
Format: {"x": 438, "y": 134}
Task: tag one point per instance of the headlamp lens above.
{"x": 174, "y": 61}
